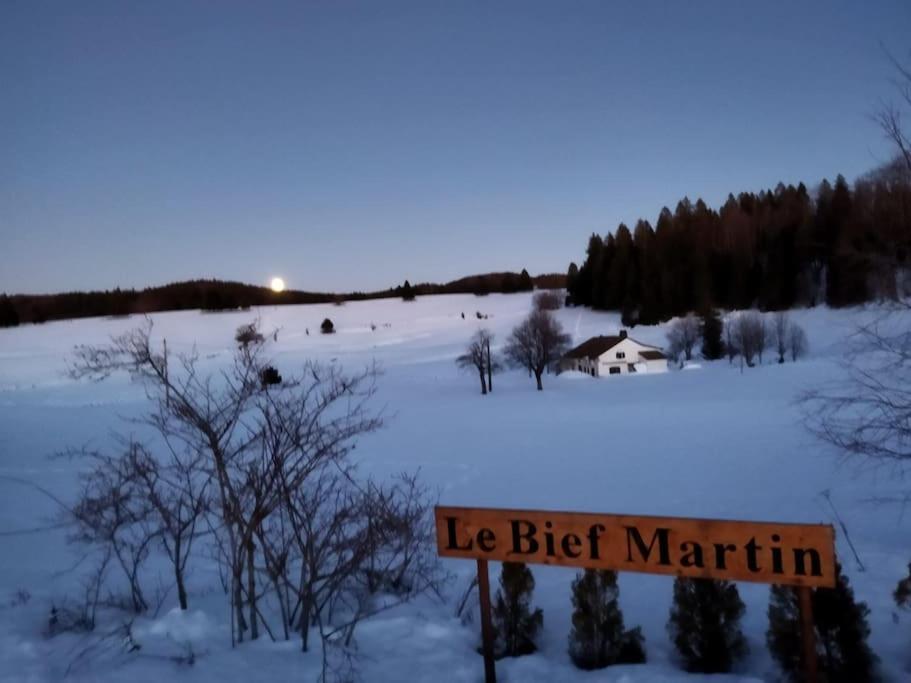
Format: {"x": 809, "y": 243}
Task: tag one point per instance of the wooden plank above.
{"x": 764, "y": 552}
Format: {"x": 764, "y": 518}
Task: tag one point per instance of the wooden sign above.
{"x": 765, "y": 552}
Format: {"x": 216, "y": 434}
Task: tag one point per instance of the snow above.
{"x": 714, "y": 443}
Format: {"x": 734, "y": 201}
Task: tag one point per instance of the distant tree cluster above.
{"x": 771, "y": 250}
{"x": 220, "y": 295}
{"x": 745, "y": 334}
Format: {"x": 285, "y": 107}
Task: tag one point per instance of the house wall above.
{"x": 659, "y": 365}
{"x": 601, "y": 366}
{"x": 630, "y": 350}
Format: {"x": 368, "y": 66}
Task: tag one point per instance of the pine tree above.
{"x": 515, "y": 625}
{"x": 407, "y": 292}
{"x": 841, "y": 633}
{"x": 525, "y": 282}
{"x": 597, "y": 638}
{"x": 903, "y": 591}
{"x": 712, "y": 329}
{"x": 705, "y": 624}
{"x": 8, "y": 315}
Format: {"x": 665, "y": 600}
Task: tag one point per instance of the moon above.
{"x": 277, "y": 284}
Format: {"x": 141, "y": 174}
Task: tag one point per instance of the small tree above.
{"x": 705, "y": 624}
{"x": 763, "y": 336}
{"x": 248, "y": 334}
{"x": 270, "y": 377}
{"x": 797, "y": 341}
{"x": 327, "y": 327}
{"x": 841, "y": 633}
{"x": 749, "y": 336}
{"x": 903, "y": 591}
{"x": 731, "y": 350}
{"x": 682, "y": 336}
{"x": 536, "y": 343}
{"x": 477, "y": 355}
{"x": 525, "y": 282}
{"x": 781, "y": 330}
{"x": 407, "y": 292}
{"x": 547, "y": 300}
{"x": 515, "y": 624}
{"x": 597, "y": 638}
{"x": 712, "y": 328}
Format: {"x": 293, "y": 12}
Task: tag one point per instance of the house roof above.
{"x": 594, "y": 347}
{"x": 652, "y": 355}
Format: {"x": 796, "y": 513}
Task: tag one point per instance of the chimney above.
{"x": 622, "y": 334}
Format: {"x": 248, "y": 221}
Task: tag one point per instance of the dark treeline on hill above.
{"x": 771, "y": 250}
{"x": 218, "y": 295}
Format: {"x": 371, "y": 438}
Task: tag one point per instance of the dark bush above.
{"x": 597, "y": 638}
{"x": 841, "y": 633}
{"x": 705, "y": 624}
{"x": 248, "y": 334}
{"x": 515, "y": 624}
{"x": 546, "y": 301}
{"x": 270, "y": 376}
{"x": 327, "y": 327}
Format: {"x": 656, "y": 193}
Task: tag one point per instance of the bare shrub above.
{"x": 547, "y": 300}
{"x": 682, "y": 336}
{"x": 267, "y": 471}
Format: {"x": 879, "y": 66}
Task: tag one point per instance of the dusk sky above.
{"x": 348, "y": 146}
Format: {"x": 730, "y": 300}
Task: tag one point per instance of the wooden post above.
{"x": 490, "y": 671}
{"x": 807, "y": 633}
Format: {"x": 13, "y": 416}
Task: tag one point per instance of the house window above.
{"x": 615, "y": 370}
{"x": 621, "y": 354}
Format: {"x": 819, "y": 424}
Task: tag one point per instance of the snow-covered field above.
{"x": 710, "y": 442}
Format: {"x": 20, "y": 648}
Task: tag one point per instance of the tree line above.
{"x": 220, "y": 295}
{"x": 840, "y": 245}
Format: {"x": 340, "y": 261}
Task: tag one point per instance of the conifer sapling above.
{"x": 515, "y": 624}
{"x": 841, "y": 633}
{"x": 705, "y": 624}
{"x": 597, "y": 638}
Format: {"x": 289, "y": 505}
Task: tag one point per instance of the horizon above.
{"x": 348, "y": 148}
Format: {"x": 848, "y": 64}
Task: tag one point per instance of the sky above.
{"x": 351, "y": 145}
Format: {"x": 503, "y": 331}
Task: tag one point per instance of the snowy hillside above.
{"x": 711, "y": 442}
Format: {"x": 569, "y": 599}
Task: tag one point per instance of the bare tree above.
{"x": 763, "y": 336}
{"x": 683, "y": 335}
{"x": 749, "y": 336}
{"x": 889, "y": 115}
{"x": 797, "y": 341}
{"x": 478, "y": 356}
{"x": 867, "y": 413}
{"x": 731, "y": 348}
{"x": 548, "y": 300}
{"x": 781, "y": 330}
{"x": 536, "y": 343}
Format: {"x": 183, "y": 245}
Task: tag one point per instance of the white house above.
{"x": 614, "y": 355}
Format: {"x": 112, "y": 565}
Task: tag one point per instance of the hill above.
{"x": 223, "y": 295}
